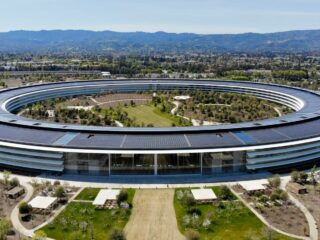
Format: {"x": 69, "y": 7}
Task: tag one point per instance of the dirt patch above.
{"x": 311, "y": 201}
{"x": 286, "y": 217}
{"x": 153, "y": 216}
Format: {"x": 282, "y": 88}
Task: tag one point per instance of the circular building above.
{"x": 279, "y": 143}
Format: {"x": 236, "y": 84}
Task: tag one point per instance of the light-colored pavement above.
{"x": 311, "y": 221}
{"x": 15, "y": 212}
{"x": 153, "y": 216}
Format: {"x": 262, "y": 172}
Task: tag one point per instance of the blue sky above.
{"x": 199, "y": 16}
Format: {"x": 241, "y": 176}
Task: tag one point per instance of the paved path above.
{"x": 311, "y": 221}
{"x": 15, "y": 212}
{"x": 264, "y": 220}
{"x": 153, "y": 216}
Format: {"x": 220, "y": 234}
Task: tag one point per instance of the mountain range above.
{"x": 108, "y": 42}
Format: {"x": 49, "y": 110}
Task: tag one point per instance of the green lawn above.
{"x": 149, "y": 115}
{"x": 82, "y": 221}
{"x": 229, "y": 220}
{"x": 88, "y": 194}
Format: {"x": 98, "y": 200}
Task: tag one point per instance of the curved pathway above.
{"x": 262, "y": 219}
{"x": 311, "y": 221}
{"x": 15, "y": 219}
{"x": 153, "y": 216}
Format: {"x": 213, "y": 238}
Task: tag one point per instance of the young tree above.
{"x": 122, "y": 196}
{"x": 59, "y": 192}
{"x": 117, "y": 234}
{"x": 24, "y": 208}
{"x": 192, "y": 235}
{"x": 39, "y": 235}
{"x": 225, "y": 193}
{"x": 5, "y": 226}
{"x": 274, "y": 181}
{"x": 313, "y": 175}
{"x": 295, "y": 176}
{"x": 6, "y": 176}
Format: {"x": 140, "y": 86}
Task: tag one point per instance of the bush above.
{"x": 295, "y": 176}
{"x": 59, "y": 192}
{"x": 14, "y": 182}
{"x": 5, "y": 226}
{"x": 40, "y": 235}
{"x": 225, "y": 193}
{"x": 192, "y": 235}
{"x": 24, "y": 208}
{"x": 195, "y": 210}
{"x": 274, "y": 181}
{"x": 122, "y": 196}
{"x": 190, "y": 201}
{"x": 117, "y": 234}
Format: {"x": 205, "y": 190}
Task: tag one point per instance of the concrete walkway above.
{"x": 252, "y": 209}
{"x": 311, "y": 221}
{"x": 153, "y": 216}
{"x": 15, "y": 219}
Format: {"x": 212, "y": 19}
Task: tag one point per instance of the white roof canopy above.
{"x": 104, "y": 195}
{"x": 41, "y": 202}
{"x": 203, "y": 194}
{"x": 254, "y": 185}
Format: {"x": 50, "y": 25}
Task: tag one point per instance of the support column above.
{"x": 201, "y": 164}
{"x": 155, "y": 164}
{"x": 109, "y": 163}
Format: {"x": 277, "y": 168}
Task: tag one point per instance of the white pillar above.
{"x": 155, "y": 164}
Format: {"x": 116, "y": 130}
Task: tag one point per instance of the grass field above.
{"x": 229, "y": 220}
{"x": 88, "y": 194}
{"x": 149, "y": 115}
{"x": 80, "y": 220}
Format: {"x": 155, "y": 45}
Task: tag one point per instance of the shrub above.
{"x": 303, "y": 177}
{"x": 274, "y": 181}
{"x": 192, "y": 235}
{"x": 24, "y": 208}
{"x": 190, "y": 201}
{"x": 225, "y": 193}
{"x": 195, "y": 210}
{"x": 39, "y": 235}
{"x": 295, "y": 176}
{"x": 14, "y": 182}
{"x": 4, "y": 227}
{"x": 122, "y": 196}
{"x": 59, "y": 192}
{"x": 117, "y": 234}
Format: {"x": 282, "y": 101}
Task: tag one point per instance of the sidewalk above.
{"x": 311, "y": 221}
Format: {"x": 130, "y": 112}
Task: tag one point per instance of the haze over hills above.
{"x": 105, "y": 42}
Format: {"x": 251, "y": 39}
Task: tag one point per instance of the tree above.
{"x": 122, "y": 196}
{"x": 59, "y": 192}
{"x": 24, "y": 208}
{"x": 5, "y": 226}
{"x": 225, "y": 193}
{"x": 274, "y": 181}
{"x": 192, "y": 235}
{"x": 117, "y": 234}
{"x": 267, "y": 233}
{"x": 313, "y": 175}
{"x": 14, "y": 182}
{"x": 190, "y": 201}
{"x": 295, "y": 176}
{"x": 39, "y": 235}
{"x": 6, "y": 176}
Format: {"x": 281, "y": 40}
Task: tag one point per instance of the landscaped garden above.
{"x": 82, "y": 220}
{"x": 225, "y": 218}
{"x": 155, "y": 109}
